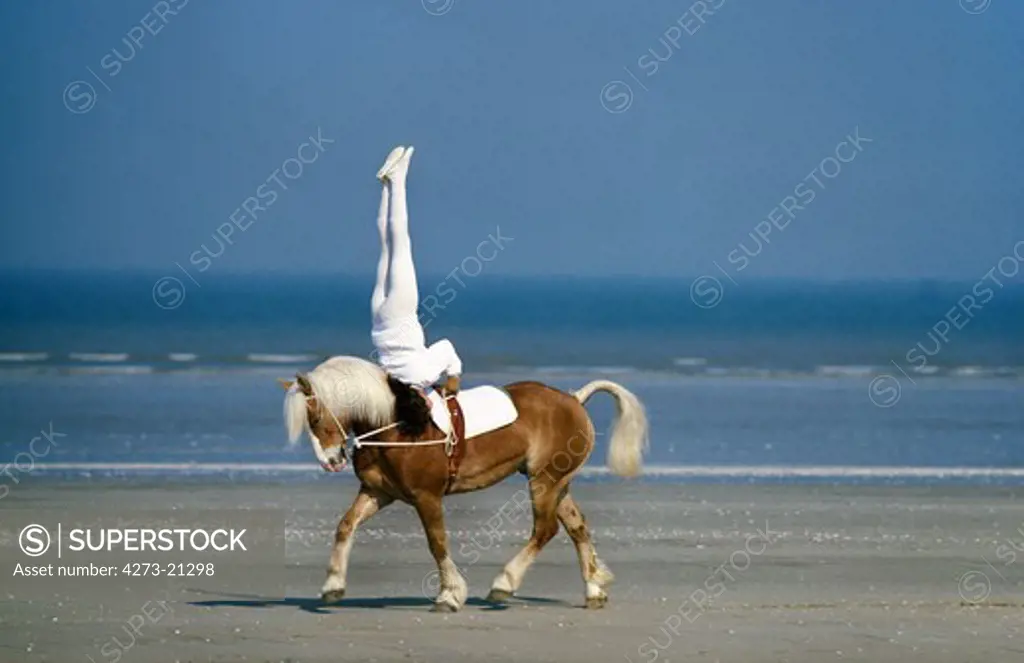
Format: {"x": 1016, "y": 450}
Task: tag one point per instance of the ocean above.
{"x": 779, "y": 381}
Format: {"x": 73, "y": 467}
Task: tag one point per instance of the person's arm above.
{"x": 448, "y": 364}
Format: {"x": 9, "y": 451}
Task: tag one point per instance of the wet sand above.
{"x": 704, "y": 573}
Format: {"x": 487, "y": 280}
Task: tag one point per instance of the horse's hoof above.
{"x": 499, "y": 596}
{"x": 333, "y": 596}
{"x": 596, "y": 602}
{"x": 443, "y": 607}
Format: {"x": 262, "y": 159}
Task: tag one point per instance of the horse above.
{"x": 548, "y": 442}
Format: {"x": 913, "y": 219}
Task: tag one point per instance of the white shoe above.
{"x": 393, "y": 158}
{"x": 399, "y": 171}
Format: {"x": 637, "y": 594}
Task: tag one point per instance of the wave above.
{"x": 266, "y": 358}
{"x": 690, "y": 367}
{"x": 98, "y": 356}
{"x": 671, "y": 471}
{"x": 845, "y": 371}
{"x": 111, "y": 370}
{"x": 576, "y": 370}
{"x": 24, "y": 356}
{"x": 690, "y": 362}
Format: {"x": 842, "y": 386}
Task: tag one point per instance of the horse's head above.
{"x": 340, "y": 397}
{"x": 326, "y": 432}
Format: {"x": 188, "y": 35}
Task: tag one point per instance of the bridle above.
{"x": 360, "y": 441}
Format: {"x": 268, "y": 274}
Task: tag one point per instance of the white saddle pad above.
{"x": 484, "y": 408}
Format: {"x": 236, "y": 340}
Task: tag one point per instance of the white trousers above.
{"x": 397, "y": 333}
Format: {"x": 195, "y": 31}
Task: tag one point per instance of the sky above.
{"x": 601, "y": 138}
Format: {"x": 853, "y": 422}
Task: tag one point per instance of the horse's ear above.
{"x": 304, "y": 384}
{"x": 285, "y": 384}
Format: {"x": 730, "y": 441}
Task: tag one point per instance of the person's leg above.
{"x": 393, "y": 157}
{"x": 443, "y": 356}
{"x": 380, "y": 289}
{"x": 402, "y": 296}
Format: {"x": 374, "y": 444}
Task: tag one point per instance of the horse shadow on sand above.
{"x": 316, "y": 606}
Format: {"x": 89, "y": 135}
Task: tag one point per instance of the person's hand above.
{"x": 451, "y": 386}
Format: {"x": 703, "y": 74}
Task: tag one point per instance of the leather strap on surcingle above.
{"x": 458, "y": 449}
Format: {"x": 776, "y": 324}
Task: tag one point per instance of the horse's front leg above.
{"x": 363, "y": 507}
{"x": 453, "y": 589}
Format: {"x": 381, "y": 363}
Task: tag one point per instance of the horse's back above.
{"x": 527, "y": 388}
{"x": 538, "y": 402}
{"x": 546, "y": 419}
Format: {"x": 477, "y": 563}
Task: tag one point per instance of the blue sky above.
{"x": 506, "y": 104}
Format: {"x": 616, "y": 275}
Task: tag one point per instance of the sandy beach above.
{"x": 704, "y": 572}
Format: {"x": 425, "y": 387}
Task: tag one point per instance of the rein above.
{"x": 358, "y": 441}
{"x": 454, "y": 442}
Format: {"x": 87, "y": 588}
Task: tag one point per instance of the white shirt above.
{"x": 402, "y": 350}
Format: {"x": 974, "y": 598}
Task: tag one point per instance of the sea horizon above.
{"x": 771, "y": 327}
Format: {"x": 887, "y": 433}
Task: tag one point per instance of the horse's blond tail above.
{"x": 629, "y": 432}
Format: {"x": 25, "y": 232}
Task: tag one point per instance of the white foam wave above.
{"x": 925, "y": 370}
{"x": 182, "y": 356}
{"x": 111, "y": 370}
{"x": 267, "y": 358}
{"x": 580, "y": 370}
{"x": 23, "y": 356}
{"x": 110, "y": 357}
{"x": 682, "y": 471}
{"x": 853, "y": 371}
{"x": 971, "y": 371}
{"x": 825, "y": 471}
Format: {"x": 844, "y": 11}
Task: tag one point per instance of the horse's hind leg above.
{"x": 596, "y": 575}
{"x": 363, "y": 507}
{"x": 545, "y": 527}
{"x": 453, "y": 587}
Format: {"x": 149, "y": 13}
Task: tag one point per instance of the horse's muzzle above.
{"x": 336, "y": 462}
{"x": 335, "y": 465}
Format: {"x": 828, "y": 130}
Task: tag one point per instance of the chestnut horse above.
{"x": 548, "y": 442}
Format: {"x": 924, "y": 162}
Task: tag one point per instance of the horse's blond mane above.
{"x": 295, "y": 420}
{"x": 353, "y": 389}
